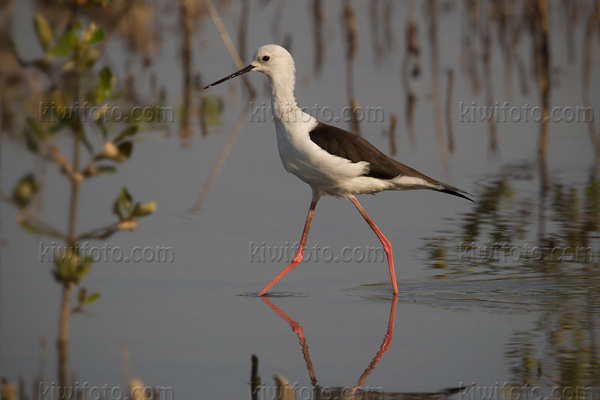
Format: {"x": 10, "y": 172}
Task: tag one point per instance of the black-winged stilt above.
{"x": 331, "y": 160}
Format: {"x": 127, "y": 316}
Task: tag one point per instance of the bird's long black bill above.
{"x": 238, "y": 73}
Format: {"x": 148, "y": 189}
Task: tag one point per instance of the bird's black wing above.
{"x": 350, "y": 146}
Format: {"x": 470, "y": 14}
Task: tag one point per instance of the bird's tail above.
{"x": 442, "y": 187}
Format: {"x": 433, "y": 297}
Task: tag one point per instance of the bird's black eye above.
{"x": 266, "y": 58}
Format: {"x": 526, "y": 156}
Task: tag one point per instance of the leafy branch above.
{"x": 69, "y": 61}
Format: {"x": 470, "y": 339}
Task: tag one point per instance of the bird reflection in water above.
{"x": 286, "y": 391}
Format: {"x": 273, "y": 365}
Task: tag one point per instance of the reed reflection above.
{"x": 433, "y": 16}
{"x": 506, "y": 216}
{"x": 552, "y": 258}
{"x": 350, "y": 29}
{"x": 411, "y": 69}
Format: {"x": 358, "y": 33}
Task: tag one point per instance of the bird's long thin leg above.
{"x": 387, "y": 246}
{"x": 298, "y": 257}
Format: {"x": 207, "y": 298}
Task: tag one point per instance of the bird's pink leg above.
{"x": 298, "y": 257}
{"x": 387, "y": 246}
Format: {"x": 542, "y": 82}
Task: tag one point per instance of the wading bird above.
{"x": 331, "y": 160}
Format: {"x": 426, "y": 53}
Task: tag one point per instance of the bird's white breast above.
{"x": 324, "y": 172}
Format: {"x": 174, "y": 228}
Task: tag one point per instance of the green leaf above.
{"x": 39, "y": 230}
{"x": 106, "y": 170}
{"x": 44, "y": 33}
{"x": 126, "y": 198}
{"x": 71, "y": 267}
{"x": 122, "y": 206}
{"x": 91, "y": 55}
{"x": 144, "y": 210}
{"x": 85, "y": 265}
{"x": 105, "y": 85}
{"x": 105, "y": 234}
{"x": 106, "y": 75}
{"x": 127, "y": 132}
{"x": 34, "y": 229}
{"x": 60, "y": 124}
{"x": 66, "y": 43}
{"x": 24, "y": 190}
{"x": 125, "y": 150}
{"x": 97, "y": 36}
{"x": 91, "y": 299}
{"x": 81, "y": 295}
{"x": 58, "y": 276}
{"x": 116, "y": 209}
{"x": 68, "y": 65}
{"x": 65, "y": 265}
{"x": 99, "y": 233}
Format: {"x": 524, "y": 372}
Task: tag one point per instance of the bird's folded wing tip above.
{"x": 457, "y": 192}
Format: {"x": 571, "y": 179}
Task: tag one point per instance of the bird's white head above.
{"x": 272, "y": 60}
{"x": 278, "y": 65}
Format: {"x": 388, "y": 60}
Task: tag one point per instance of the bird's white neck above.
{"x": 282, "y": 95}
